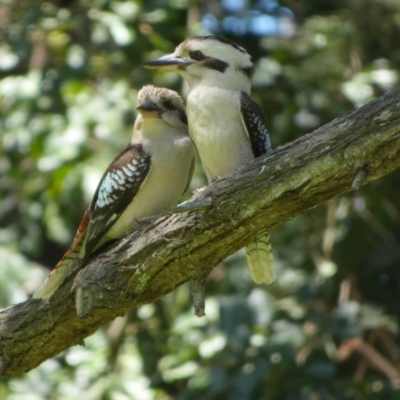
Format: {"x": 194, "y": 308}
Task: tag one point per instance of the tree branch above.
{"x": 357, "y": 148}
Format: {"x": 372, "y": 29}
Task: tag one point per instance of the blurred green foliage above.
{"x": 70, "y": 72}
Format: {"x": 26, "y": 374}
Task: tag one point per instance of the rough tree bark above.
{"x": 357, "y": 148}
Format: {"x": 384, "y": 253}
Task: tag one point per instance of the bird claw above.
{"x": 138, "y": 223}
{"x": 199, "y": 190}
{"x": 187, "y": 206}
{"x": 191, "y": 206}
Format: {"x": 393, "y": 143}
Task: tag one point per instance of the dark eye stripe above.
{"x": 168, "y": 105}
{"x": 214, "y": 63}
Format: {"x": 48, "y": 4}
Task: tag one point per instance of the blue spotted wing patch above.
{"x": 254, "y": 124}
{"x": 115, "y": 192}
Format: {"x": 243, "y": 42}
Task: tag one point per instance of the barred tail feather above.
{"x": 58, "y": 274}
{"x": 66, "y": 264}
{"x": 260, "y": 260}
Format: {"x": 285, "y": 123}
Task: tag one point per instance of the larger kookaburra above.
{"x": 226, "y": 125}
{"x": 150, "y": 175}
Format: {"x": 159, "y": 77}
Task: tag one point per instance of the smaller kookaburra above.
{"x": 151, "y": 174}
{"x": 226, "y": 125}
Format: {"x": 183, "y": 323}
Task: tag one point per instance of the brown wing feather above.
{"x": 115, "y": 192}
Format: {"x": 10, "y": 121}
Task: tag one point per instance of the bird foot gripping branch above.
{"x": 187, "y": 206}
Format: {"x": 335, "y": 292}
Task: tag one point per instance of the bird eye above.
{"x": 168, "y": 105}
{"x": 196, "y": 55}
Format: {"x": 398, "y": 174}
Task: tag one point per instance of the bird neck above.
{"x": 153, "y": 127}
{"x": 229, "y": 80}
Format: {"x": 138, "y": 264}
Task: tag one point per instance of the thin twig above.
{"x": 358, "y": 179}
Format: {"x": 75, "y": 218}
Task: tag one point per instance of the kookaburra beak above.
{"x": 148, "y": 109}
{"x": 168, "y": 63}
